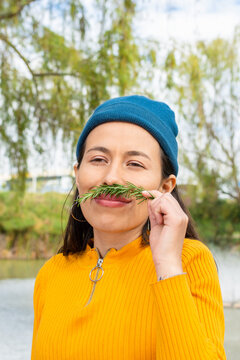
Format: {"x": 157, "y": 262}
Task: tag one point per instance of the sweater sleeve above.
{"x": 189, "y": 310}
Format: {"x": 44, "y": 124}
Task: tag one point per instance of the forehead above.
{"x": 122, "y": 135}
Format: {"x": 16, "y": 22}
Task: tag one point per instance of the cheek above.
{"x": 85, "y": 178}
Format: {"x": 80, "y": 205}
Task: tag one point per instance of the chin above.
{"x": 109, "y": 226}
{"x": 112, "y": 222}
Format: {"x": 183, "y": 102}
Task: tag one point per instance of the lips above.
{"x": 113, "y": 198}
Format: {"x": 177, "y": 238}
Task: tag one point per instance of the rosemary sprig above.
{"x": 117, "y": 190}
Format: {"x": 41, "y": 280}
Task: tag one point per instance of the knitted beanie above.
{"x": 154, "y": 116}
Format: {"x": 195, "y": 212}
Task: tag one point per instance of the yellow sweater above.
{"x": 128, "y": 314}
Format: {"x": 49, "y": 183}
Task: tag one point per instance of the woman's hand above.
{"x": 168, "y": 228}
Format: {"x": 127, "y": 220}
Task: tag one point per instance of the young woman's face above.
{"x": 117, "y": 152}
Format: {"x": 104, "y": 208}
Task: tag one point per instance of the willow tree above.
{"x": 56, "y": 66}
{"x": 205, "y": 78}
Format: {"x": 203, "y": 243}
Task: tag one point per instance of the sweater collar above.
{"x": 113, "y": 255}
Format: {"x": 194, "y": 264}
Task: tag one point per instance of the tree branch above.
{"x": 5, "y": 39}
{"x": 210, "y": 156}
{"x": 26, "y": 62}
{"x": 211, "y": 132}
{"x": 11, "y": 14}
{"x": 54, "y": 74}
{"x": 235, "y": 197}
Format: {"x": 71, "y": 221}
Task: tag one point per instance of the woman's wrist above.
{"x": 167, "y": 277}
{"x": 168, "y": 270}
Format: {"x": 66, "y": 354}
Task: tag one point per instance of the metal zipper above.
{"x": 98, "y": 267}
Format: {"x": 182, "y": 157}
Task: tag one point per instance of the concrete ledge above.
{"x": 232, "y": 305}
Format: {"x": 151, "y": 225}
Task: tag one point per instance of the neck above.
{"x": 105, "y": 240}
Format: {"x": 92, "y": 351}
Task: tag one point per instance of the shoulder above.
{"x": 48, "y": 272}
{"x": 192, "y": 247}
{"x": 59, "y": 260}
{"x": 51, "y": 266}
{"x": 196, "y": 253}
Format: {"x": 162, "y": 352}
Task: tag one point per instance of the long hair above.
{"x": 78, "y": 234}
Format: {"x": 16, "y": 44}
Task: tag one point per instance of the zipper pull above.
{"x": 98, "y": 266}
{"x": 99, "y": 263}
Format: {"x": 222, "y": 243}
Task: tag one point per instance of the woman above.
{"x": 131, "y": 281}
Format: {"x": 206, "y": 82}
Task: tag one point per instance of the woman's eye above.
{"x": 97, "y": 160}
{"x": 135, "y": 164}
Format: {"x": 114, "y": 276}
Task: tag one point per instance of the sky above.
{"x": 189, "y": 19}
{"x": 183, "y": 19}
{"x": 163, "y": 20}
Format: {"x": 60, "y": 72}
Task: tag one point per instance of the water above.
{"x": 16, "y": 314}
{"x": 20, "y": 269}
{"x": 16, "y": 305}
{"x": 229, "y": 274}
{"x": 17, "y": 279}
{"x": 232, "y": 333}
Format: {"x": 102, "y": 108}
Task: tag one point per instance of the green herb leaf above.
{"x": 117, "y": 190}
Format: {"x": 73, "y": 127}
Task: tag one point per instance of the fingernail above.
{"x": 145, "y": 192}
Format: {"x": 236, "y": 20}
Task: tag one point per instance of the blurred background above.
{"x": 58, "y": 61}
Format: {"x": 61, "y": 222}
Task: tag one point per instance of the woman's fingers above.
{"x": 164, "y": 208}
{"x": 151, "y": 193}
{"x": 155, "y": 216}
{"x": 168, "y": 227}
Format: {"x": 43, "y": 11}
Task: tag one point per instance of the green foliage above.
{"x": 218, "y": 221}
{"x": 53, "y": 76}
{"x": 204, "y": 78}
{"x": 31, "y": 218}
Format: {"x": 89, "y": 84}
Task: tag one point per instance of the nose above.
{"x": 113, "y": 175}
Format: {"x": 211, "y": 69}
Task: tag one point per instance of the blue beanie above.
{"x": 154, "y": 116}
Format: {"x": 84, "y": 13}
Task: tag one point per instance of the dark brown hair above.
{"x": 78, "y": 234}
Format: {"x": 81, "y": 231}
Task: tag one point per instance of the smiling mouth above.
{"x": 113, "y": 198}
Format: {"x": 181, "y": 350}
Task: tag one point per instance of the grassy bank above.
{"x": 31, "y": 227}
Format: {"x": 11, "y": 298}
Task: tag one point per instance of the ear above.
{"x": 76, "y": 172}
{"x": 168, "y": 184}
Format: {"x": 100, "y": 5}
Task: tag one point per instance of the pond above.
{"x": 20, "y": 269}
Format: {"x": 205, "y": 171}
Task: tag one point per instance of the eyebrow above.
{"x": 130, "y": 153}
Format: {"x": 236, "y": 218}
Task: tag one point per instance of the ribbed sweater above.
{"x": 128, "y": 313}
